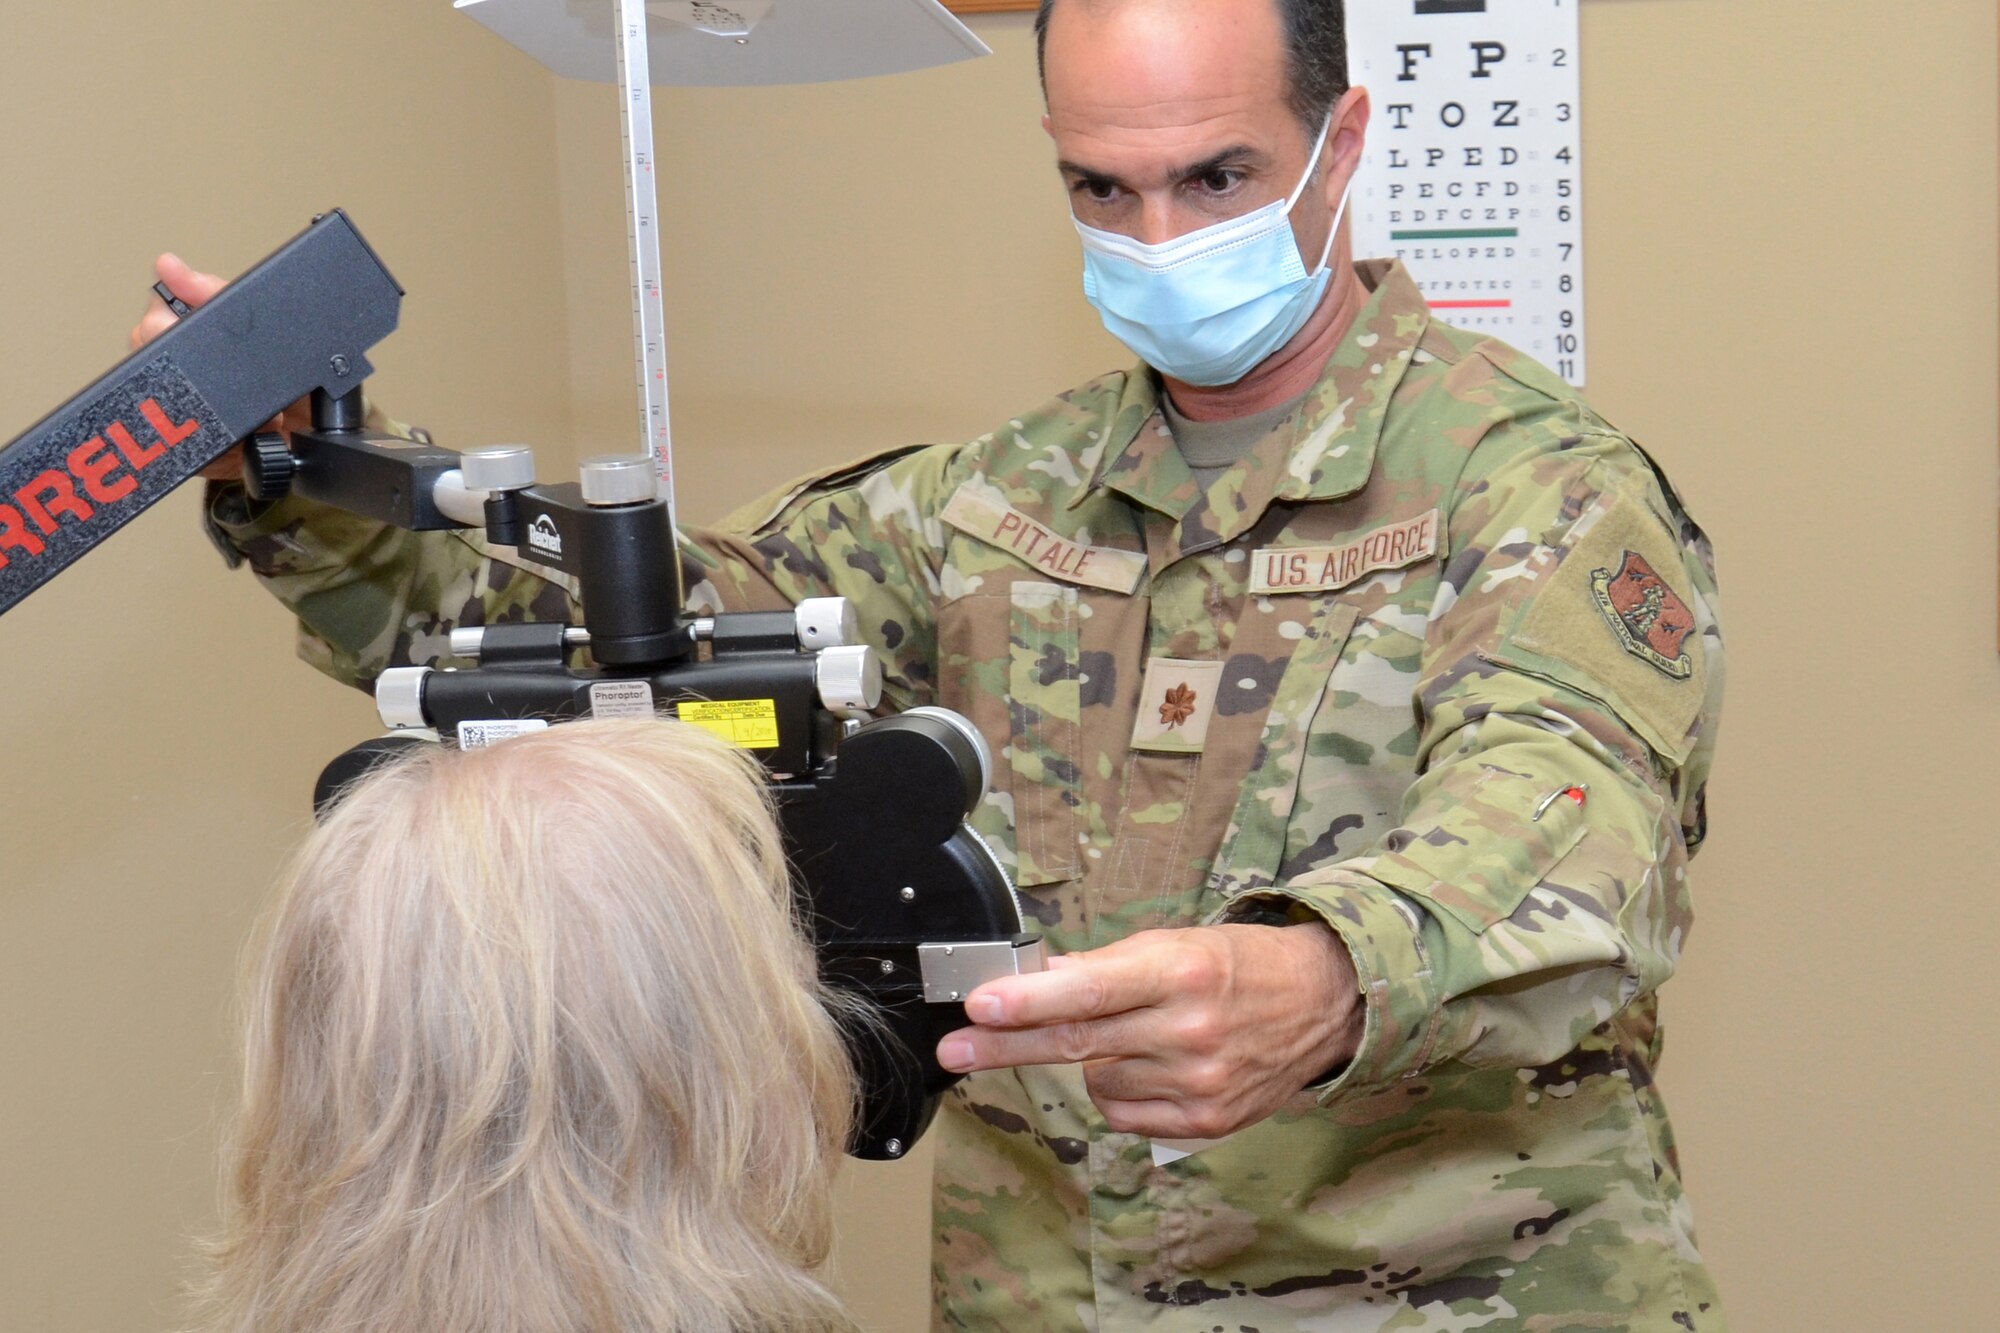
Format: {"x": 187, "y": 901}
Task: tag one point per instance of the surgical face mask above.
{"x": 1205, "y": 308}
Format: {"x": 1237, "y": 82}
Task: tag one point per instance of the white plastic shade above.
{"x": 798, "y": 41}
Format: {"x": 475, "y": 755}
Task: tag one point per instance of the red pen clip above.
{"x": 1575, "y": 793}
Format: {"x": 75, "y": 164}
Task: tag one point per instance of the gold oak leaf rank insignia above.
{"x": 1179, "y": 706}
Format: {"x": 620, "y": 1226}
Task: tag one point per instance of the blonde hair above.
{"x": 533, "y": 1042}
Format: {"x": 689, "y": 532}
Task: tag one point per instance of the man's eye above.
{"x": 1220, "y": 181}
{"x": 1098, "y": 192}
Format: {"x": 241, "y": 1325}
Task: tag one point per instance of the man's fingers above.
{"x": 1094, "y": 985}
{"x": 1057, "y": 1044}
{"x": 189, "y": 284}
{"x": 229, "y": 467}
{"x": 157, "y": 320}
{"x": 1155, "y": 1119}
{"x": 1135, "y": 1079}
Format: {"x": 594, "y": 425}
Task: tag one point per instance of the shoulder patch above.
{"x": 1615, "y": 622}
{"x": 1648, "y": 617}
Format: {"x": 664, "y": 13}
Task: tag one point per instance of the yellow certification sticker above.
{"x": 748, "y": 724}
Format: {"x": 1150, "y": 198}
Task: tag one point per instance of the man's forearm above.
{"x": 1497, "y": 926}
{"x": 369, "y": 596}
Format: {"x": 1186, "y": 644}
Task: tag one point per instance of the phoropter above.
{"x": 907, "y": 904}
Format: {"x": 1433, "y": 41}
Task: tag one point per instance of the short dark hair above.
{"x": 1315, "y": 55}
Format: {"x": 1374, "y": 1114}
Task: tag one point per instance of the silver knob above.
{"x": 470, "y": 640}
{"x": 827, "y": 622}
{"x": 963, "y": 725}
{"x": 505, "y": 467}
{"x": 399, "y": 696}
{"x": 619, "y": 479}
{"x": 848, "y": 678}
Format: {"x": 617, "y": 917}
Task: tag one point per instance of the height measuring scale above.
{"x": 706, "y": 43}
{"x": 642, "y": 234}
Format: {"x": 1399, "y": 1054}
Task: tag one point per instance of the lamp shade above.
{"x": 717, "y": 43}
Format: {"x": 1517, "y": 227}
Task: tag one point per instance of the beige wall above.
{"x": 1792, "y": 288}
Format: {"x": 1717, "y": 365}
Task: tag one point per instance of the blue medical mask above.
{"x": 1205, "y": 308}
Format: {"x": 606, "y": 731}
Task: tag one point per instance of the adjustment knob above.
{"x": 826, "y": 622}
{"x": 976, "y": 746}
{"x": 504, "y": 467}
{"x": 619, "y": 479}
{"x": 399, "y": 696}
{"x": 268, "y": 466}
{"x": 848, "y": 678}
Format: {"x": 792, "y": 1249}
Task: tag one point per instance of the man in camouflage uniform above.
{"x": 1351, "y": 767}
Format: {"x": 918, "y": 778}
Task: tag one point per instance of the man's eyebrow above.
{"x": 1236, "y": 155}
{"x": 1091, "y": 175}
{"x": 1233, "y": 156}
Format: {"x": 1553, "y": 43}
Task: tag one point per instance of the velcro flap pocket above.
{"x": 1621, "y": 622}
{"x": 1494, "y": 844}
{"x": 1044, "y": 704}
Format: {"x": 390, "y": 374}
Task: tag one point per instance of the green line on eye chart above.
{"x": 1465, "y": 234}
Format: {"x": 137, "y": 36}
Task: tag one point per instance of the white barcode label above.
{"x": 475, "y": 735}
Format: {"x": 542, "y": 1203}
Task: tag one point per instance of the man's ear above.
{"x": 1346, "y": 138}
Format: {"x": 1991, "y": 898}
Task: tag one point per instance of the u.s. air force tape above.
{"x": 1280, "y": 569}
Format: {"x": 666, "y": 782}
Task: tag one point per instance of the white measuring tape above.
{"x": 642, "y": 222}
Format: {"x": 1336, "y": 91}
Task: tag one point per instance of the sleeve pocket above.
{"x": 1477, "y": 864}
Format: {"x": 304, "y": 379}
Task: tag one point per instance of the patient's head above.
{"x": 533, "y": 1042}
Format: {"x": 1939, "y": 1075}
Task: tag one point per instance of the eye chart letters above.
{"x": 1472, "y": 176}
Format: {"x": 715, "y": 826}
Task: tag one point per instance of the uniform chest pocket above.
{"x": 1044, "y": 730}
{"x": 1257, "y": 761}
{"x": 1010, "y": 659}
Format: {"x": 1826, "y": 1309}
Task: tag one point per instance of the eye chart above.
{"x": 1472, "y": 176}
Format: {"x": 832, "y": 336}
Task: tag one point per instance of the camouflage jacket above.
{"x": 1437, "y": 664}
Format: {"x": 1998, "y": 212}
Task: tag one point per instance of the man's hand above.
{"x": 196, "y": 289}
{"x": 1190, "y": 1033}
